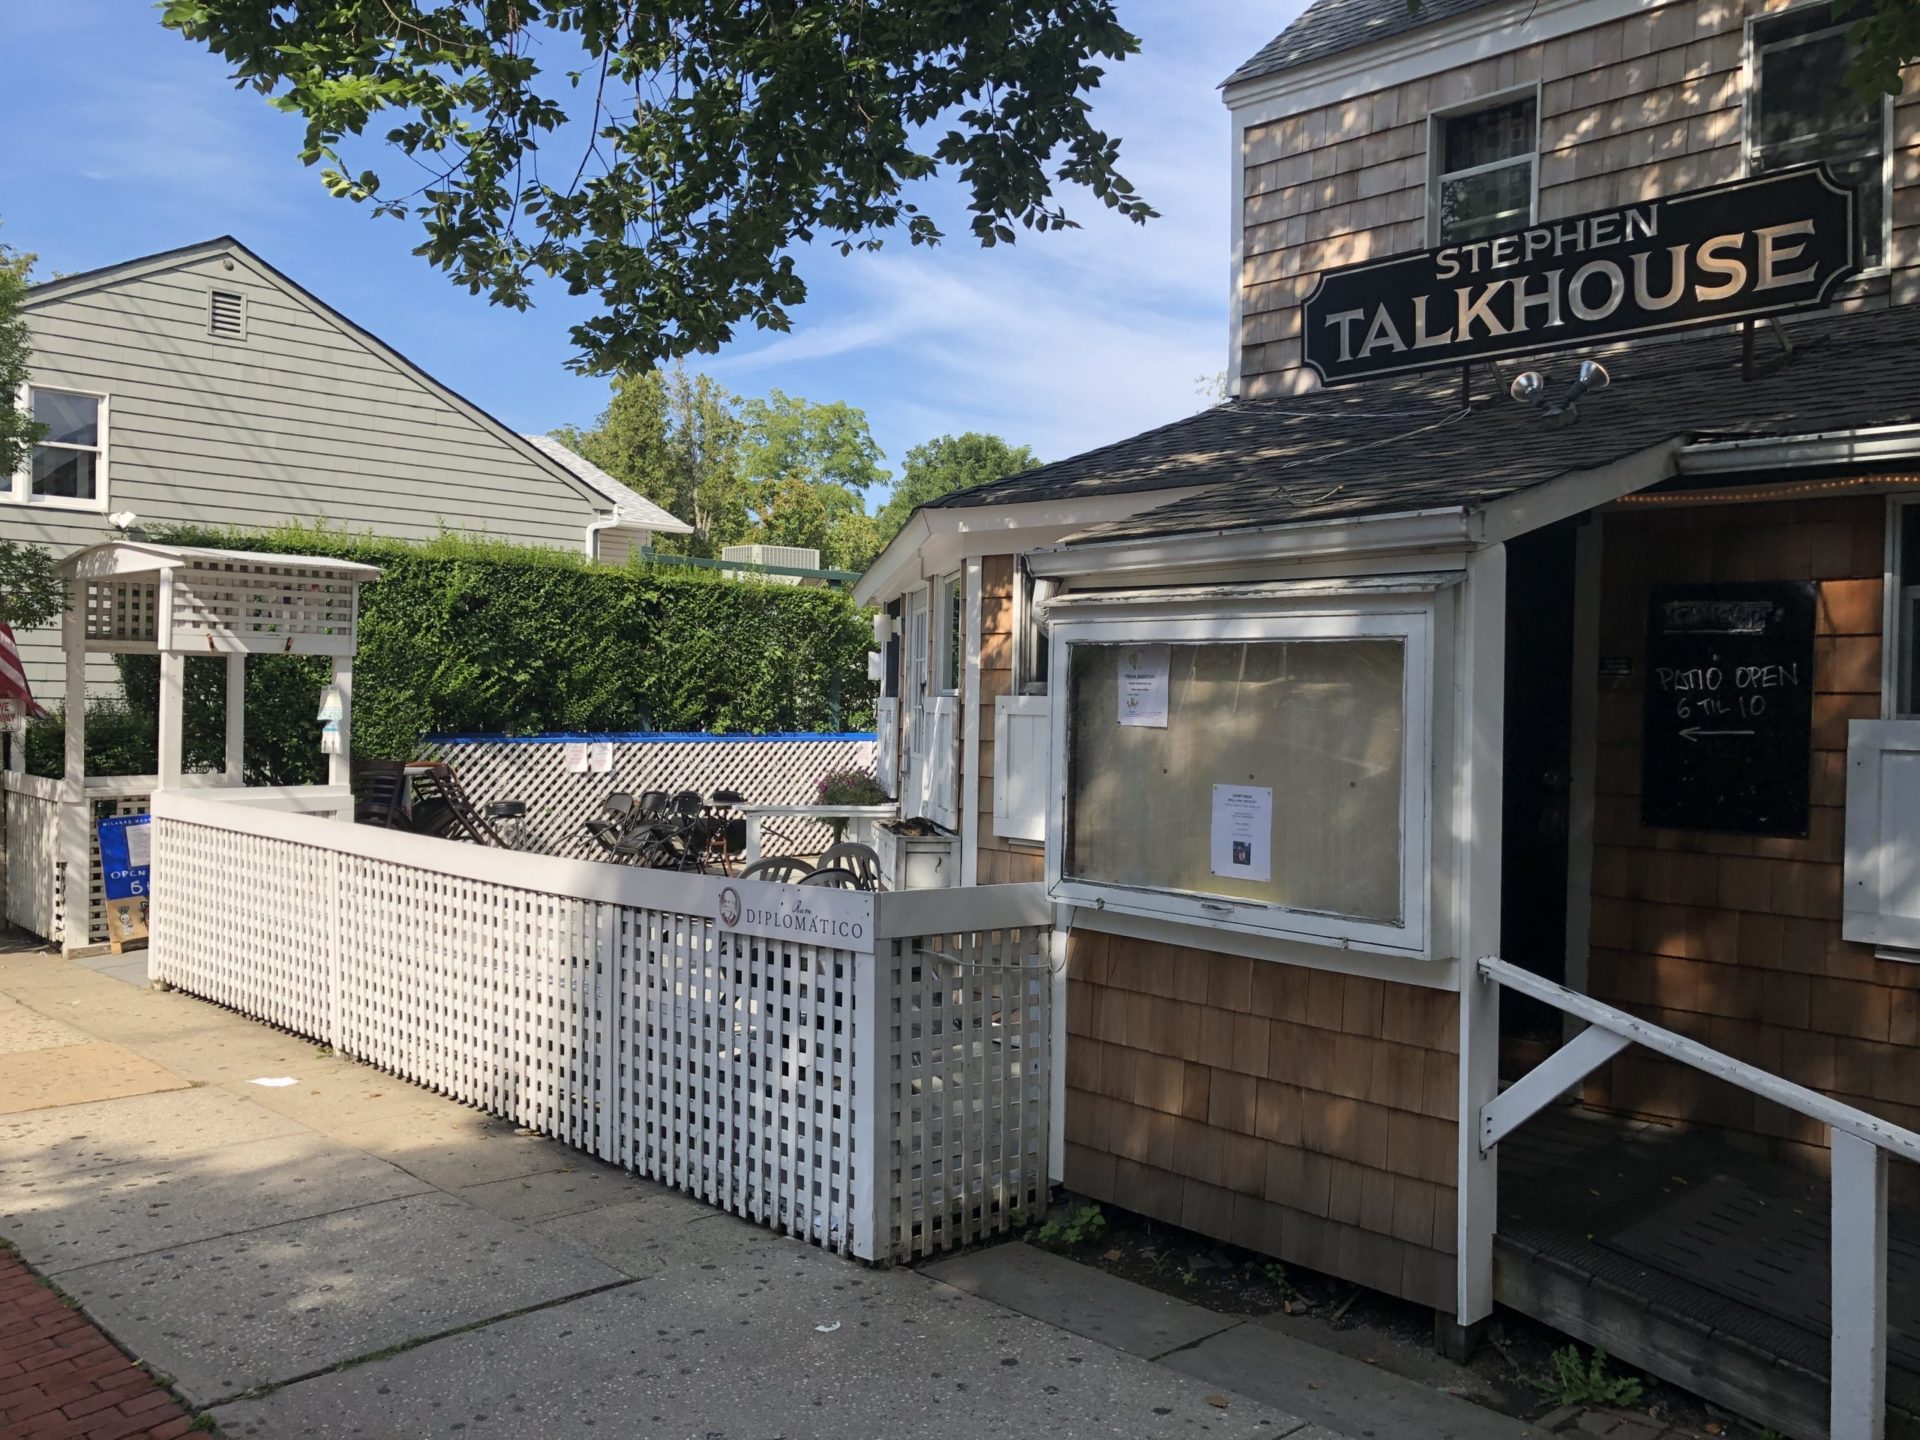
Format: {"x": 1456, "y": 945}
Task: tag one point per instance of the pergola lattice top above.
{"x": 142, "y": 597}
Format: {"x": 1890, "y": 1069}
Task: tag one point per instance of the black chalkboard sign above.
{"x": 1729, "y": 708}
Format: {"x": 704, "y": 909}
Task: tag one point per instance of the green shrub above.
{"x": 464, "y": 636}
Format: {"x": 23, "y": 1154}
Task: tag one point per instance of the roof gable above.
{"x": 108, "y": 276}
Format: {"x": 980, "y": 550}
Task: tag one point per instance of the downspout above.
{"x": 608, "y": 521}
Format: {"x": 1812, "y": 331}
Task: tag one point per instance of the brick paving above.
{"x": 61, "y": 1379}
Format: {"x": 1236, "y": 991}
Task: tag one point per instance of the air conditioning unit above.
{"x": 792, "y": 557}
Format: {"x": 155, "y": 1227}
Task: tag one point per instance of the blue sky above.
{"x": 127, "y": 140}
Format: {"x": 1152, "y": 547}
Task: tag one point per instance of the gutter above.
{"x": 1864, "y": 445}
{"x": 609, "y": 521}
{"x": 1448, "y": 528}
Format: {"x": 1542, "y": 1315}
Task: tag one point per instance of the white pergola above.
{"x": 135, "y": 597}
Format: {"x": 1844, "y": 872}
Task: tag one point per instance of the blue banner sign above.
{"x": 126, "y": 850}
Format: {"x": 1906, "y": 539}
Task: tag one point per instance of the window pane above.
{"x": 950, "y": 677}
{"x": 1490, "y": 203}
{"x": 1319, "y": 722}
{"x": 68, "y": 474}
{"x": 70, "y": 419}
{"x": 1804, "y": 113}
{"x": 1498, "y": 133}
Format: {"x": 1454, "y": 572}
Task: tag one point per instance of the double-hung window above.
{"x": 1020, "y": 717}
{"x": 1265, "y": 772}
{"x": 1801, "y": 110}
{"x": 67, "y": 465}
{"x": 1483, "y": 171}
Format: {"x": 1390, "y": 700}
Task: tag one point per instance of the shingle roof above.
{"x": 1406, "y": 443}
{"x": 1330, "y": 26}
{"x": 630, "y": 507}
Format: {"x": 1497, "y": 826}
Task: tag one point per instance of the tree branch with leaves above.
{"x": 709, "y": 142}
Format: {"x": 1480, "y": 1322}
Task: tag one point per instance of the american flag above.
{"x": 16, "y": 698}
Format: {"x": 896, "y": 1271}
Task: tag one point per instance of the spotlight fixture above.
{"x": 1530, "y": 388}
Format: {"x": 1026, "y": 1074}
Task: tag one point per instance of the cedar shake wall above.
{"x": 1001, "y": 862}
{"x": 1735, "y": 940}
{"x": 1630, "y": 110}
{"x": 1301, "y": 1113}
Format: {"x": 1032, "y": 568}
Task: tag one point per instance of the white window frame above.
{"x": 1900, "y": 619}
{"x": 942, "y": 653}
{"x": 1413, "y": 619}
{"x": 1749, "y": 98}
{"x": 1436, "y": 133}
{"x": 21, "y": 492}
{"x": 1027, "y": 636}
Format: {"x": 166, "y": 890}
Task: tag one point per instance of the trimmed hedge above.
{"x": 463, "y": 636}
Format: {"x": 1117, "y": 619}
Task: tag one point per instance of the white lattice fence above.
{"x": 33, "y": 855}
{"x": 964, "y": 1066}
{"x": 884, "y": 1101}
{"x": 767, "y": 769}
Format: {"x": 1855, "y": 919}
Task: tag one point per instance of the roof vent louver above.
{"x": 227, "y": 314}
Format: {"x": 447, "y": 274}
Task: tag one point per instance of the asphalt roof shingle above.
{"x": 1329, "y": 26}
{"x": 1407, "y": 443}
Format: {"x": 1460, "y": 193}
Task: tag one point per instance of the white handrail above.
{"x": 1857, "y": 1375}
{"x": 1889, "y": 1137}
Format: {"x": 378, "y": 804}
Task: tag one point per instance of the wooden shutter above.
{"x": 1020, "y": 766}
{"x": 1882, "y": 882}
{"x": 940, "y": 770}
{"x": 886, "y": 760}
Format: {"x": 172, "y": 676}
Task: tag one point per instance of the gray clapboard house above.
{"x": 203, "y": 386}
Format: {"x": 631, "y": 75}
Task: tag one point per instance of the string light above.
{"x": 1786, "y": 490}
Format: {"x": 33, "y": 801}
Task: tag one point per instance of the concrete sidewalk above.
{"x": 352, "y": 1256}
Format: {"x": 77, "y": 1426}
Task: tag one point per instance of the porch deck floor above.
{"x": 1692, "y": 1260}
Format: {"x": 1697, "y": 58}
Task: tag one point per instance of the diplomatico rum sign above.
{"x": 1766, "y": 246}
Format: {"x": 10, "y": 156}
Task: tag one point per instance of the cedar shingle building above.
{"x": 1304, "y": 705}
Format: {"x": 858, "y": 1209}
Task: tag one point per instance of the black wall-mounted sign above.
{"x": 1728, "y": 741}
{"x": 1765, "y": 246}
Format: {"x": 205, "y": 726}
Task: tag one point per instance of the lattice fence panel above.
{"x": 262, "y": 602}
{"x": 735, "y": 1069}
{"x": 123, "y": 611}
{"x": 768, "y": 770}
{"x": 492, "y": 995}
{"x": 964, "y": 1067}
{"x": 33, "y": 864}
{"x": 247, "y": 923}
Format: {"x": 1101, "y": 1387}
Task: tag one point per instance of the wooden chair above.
{"x": 448, "y": 809}
{"x": 380, "y": 793}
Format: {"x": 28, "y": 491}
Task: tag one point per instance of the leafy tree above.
{"x": 810, "y": 466}
{"x": 30, "y": 590}
{"x": 713, "y": 140}
{"x": 675, "y": 438}
{"x": 942, "y": 466}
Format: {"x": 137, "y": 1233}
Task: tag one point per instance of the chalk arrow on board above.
{"x": 1694, "y": 732}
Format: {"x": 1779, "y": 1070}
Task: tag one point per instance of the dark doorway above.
{"x": 1538, "y": 748}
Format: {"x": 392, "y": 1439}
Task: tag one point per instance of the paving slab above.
{"x": 581, "y": 1185}
{"x": 23, "y": 1028}
{"x": 77, "y": 1139}
{"x": 226, "y": 1316}
{"x": 735, "y": 1347}
{"x": 76, "y": 1074}
{"x": 1080, "y": 1298}
{"x": 61, "y": 1220}
{"x": 644, "y": 1236}
{"x": 1344, "y": 1395}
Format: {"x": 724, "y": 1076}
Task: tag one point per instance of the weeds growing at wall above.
{"x": 461, "y": 636}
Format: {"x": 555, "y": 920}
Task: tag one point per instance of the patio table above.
{"x": 862, "y": 820}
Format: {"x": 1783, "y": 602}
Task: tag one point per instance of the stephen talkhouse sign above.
{"x": 1764, "y": 246}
